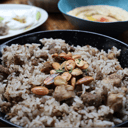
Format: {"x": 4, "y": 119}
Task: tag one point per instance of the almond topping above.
{"x": 40, "y": 90}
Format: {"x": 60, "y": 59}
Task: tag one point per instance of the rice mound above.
{"x": 26, "y": 109}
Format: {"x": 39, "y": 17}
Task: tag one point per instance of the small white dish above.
{"x": 34, "y": 17}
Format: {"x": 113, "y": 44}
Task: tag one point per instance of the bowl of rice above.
{"x": 64, "y": 78}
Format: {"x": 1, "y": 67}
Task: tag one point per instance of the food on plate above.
{"x": 13, "y": 21}
{"x": 100, "y": 13}
{"x": 3, "y": 29}
{"x": 59, "y": 85}
{"x": 21, "y": 20}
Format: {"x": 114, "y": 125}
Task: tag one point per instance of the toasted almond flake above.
{"x": 79, "y": 62}
{"x": 62, "y": 66}
{"x": 85, "y": 80}
{"x": 52, "y": 71}
{"x": 66, "y": 75}
{"x": 50, "y": 79}
{"x": 85, "y": 66}
{"x": 62, "y": 54}
{"x": 55, "y": 55}
{"x": 76, "y": 56}
{"x": 40, "y": 90}
{"x": 76, "y": 72}
{"x": 73, "y": 81}
{"x": 69, "y": 54}
{"x": 56, "y": 65}
{"x": 70, "y": 65}
{"x": 59, "y": 81}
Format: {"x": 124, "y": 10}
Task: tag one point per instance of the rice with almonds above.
{"x": 29, "y": 110}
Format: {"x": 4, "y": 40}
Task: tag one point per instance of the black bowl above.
{"x": 75, "y": 37}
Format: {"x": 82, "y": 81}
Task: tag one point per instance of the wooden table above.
{"x": 56, "y": 21}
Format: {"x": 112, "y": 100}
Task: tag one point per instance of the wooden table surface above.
{"x": 55, "y": 21}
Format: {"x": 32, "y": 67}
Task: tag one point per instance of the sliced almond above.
{"x": 66, "y": 69}
{"x": 56, "y": 65}
{"x": 62, "y": 66}
{"x": 55, "y": 55}
{"x": 85, "y": 80}
{"x": 70, "y": 65}
{"x": 69, "y": 54}
{"x": 50, "y": 79}
{"x": 66, "y": 75}
{"x": 40, "y": 90}
{"x": 73, "y": 81}
{"x": 79, "y": 62}
{"x": 76, "y": 56}
{"x": 60, "y": 81}
{"x": 76, "y": 72}
{"x": 52, "y": 71}
{"x": 62, "y": 54}
{"x": 85, "y": 66}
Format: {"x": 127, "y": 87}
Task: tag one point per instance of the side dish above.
{"x": 13, "y": 21}
{"x": 100, "y": 13}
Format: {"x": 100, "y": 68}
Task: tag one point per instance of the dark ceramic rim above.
{"x": 59, "y": 7}
{"x": 94, "y": 33}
